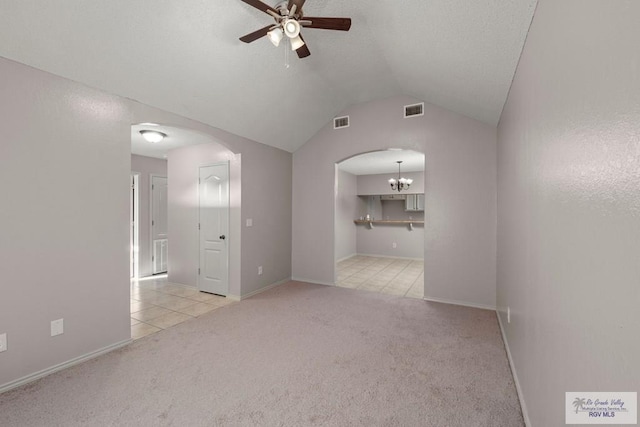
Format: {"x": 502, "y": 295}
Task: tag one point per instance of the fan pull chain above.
{"x": 287, "y": 48}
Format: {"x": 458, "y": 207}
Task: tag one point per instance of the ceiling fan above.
{"x": 289, "y": 20}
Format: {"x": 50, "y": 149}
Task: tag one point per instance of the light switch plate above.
{"x": 249, "y": 222}
{"x": 57, "y": 327}
{"x": 3, "y": 342}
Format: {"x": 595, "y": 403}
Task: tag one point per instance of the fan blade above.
{"x": 261, "y": 6}
{"x": 297, "y": 3}
{"x": 340, "y": 24}
{"x": 251, "y": 37}
{"x": 303, "y": 51}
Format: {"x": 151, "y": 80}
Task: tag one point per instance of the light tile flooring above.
{"x": 386, "y": 275}
{"x": 157, "y": 304}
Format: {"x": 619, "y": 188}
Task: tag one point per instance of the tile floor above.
{"x": 157, "y": 304}
{"x": 386, "y": 275}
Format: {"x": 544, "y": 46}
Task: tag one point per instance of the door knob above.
{"x": 223, "y": 237}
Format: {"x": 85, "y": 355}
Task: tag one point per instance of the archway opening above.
{"x": 379, "y": 227}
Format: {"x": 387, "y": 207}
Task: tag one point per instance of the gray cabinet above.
{"x": 414, "y": 203}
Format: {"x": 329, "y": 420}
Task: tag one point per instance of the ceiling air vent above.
{"x": 414, "y": 110}
{"x": 341, "y": 122}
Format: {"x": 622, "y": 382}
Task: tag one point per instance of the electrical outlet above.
{"x": 3, "y": 342}
{"x": 508, "y": 314}
{"x": 57, "y": 327}
{"x": 260, "y": 271}
{"x": 395, "y": 245}
{"x": 249, "y": 222}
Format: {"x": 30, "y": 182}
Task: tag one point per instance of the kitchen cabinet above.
{"x": 414, "y": 203}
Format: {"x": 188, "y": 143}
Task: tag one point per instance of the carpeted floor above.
{"x": 297, "y": 355}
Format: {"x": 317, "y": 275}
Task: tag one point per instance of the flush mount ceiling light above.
{"x": 152, "y": 136}
{"x": 400, "y": 183}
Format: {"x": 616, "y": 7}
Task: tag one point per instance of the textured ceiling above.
{"x": 185, "y": 57}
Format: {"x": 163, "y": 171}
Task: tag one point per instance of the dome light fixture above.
{"x": 400, "y": 183}
{"x": 152, "y": 136}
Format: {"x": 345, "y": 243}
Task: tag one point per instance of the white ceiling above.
{"x": 185, "y": 57}
{"x": 378, "y": 162}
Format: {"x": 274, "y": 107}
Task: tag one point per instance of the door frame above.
{"x": 226, "y": 163}
{"x": 151, "y": 176}
{"x": 135, "y": 218}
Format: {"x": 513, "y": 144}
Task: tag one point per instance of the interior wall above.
{"x": 69, "y": 212}
{"x": 460, "y": 195}
{"x": 183, "y": 212}
{"x": 145, "y": 166}
{"x": 260, "y": 190}
{"x": 347, "y": 210}
{"x": 569, "y": 205}
{"x": 379, "y": 241}
{"x": 64, "y": 179}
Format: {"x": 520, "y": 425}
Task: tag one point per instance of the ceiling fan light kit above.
{"x": 275, "y": 36}
{"x": 289, "y": 21}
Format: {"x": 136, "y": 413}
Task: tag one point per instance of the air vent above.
{"x": 414, "y": 110}
{"x": 341, "y": 122}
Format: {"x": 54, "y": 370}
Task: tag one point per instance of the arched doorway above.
{"x": 379, "y": 228}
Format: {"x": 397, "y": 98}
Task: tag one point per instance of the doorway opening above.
{"x": 159, "y": 223}
{"x": 379, "y": 228}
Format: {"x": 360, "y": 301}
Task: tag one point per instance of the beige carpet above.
{"x": 296, "y": 355}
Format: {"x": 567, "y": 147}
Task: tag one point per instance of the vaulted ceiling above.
{"x": 185, "y": 57}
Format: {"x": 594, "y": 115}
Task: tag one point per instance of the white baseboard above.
{"x": 346, "y": 258}
{"x": 312, "y": 281}
{"x": 258, "y": 291}
{"x": 462, "y": 303}
{"x": 75, "y": 361}
{"x": 392, "y": 257}
{"x": 523, "y": 406}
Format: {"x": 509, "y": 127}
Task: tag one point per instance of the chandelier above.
{"x": 400, "y": 183}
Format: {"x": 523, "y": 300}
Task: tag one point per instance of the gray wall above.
{"x": 146, "y": 166}
{"x": 379, "y": 183}
{"x": 569, "y": 205}
{"x": 347, "y": 209}
{"x": 460, "y": 188}
{"x": 379, "y": 241}
{"x": 64, "y": 251}
{"x": 260, "y": 189}
{"x": 68, "y": 215}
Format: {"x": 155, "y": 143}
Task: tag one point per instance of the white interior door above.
{"x": 213, "y": 274}
{"x": 159, "y": 241}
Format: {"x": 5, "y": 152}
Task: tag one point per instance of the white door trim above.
{"x": 226, "y": 163}
{"x": 151, "y": 244}
{"x": 136, "y": 224}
